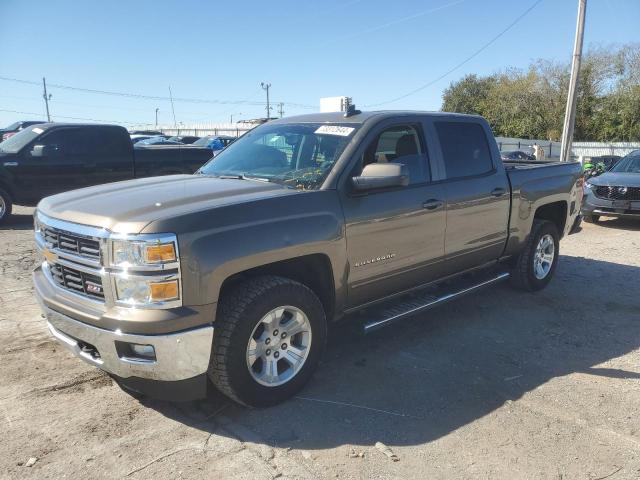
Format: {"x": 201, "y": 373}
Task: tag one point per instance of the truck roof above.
{"x": 46, "y": 126}
{"x": 360, "y": 118}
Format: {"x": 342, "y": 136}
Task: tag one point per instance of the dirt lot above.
{"x": 498, "y": 385}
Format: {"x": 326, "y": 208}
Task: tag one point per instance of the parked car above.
{"x": 55, "y": 157}
{"x": 157, "y": 141}
{"x": 233, "y": 275}
{"x": 149, "y": 133}
{"x": 214, "y": 142}
{"x": 187, "y": 140}
{"x": 138, "y": 138}
{"x": 517, "y": 155}
{"x": 16, "y": 127}
{"x": 614, "y": 193}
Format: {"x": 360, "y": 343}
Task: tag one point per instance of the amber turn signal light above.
{"x": 161, "y": 253}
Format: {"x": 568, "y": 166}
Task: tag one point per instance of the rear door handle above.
{"x": 498, "y": 192}
{"x": 432, "y": 204}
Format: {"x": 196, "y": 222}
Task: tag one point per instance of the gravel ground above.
{"x": 498, "y": 385}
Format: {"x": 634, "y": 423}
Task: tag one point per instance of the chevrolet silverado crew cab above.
{"x": 51, "y": 158}
{"x": 232, "y": 276}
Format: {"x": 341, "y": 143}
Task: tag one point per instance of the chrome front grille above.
{"x": 73, "y": 243}
{"x": 618, "y": 192}
{"x": 77, "y": 281}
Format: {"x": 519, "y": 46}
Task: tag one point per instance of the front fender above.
{"x": 237, "y": 238}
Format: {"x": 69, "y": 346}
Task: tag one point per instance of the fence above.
{"x": 202, "y": 129}
{"x": 585, "y": 150}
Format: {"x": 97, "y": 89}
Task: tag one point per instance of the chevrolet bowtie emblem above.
{"x": 50, "y": 256}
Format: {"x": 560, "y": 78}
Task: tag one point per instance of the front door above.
{"x": 395, "y": 237}
{"x": 57, "y": 170}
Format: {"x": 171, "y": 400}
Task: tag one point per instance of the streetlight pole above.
{"x": 266, "y": 87}
{"x": 570, "y": 112}
{"x": 157, "y": 117}
{"x": 46, "y": 98}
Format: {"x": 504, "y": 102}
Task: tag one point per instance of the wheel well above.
{"x": 556, "y": 213}
{"x": 6, "y": 188}
{"x": 314, "y": 271}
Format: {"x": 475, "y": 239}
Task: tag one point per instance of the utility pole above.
{"x": 570, "y": 112}
{"x": 281, "y": 109}
{"x": 175, "y": 125}
{"x": 46, "y": 98}
{"x": 157, "y": 117}
{"x": 266, "y": 87}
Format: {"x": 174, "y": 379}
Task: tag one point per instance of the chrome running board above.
{"x": 414, "y": 303}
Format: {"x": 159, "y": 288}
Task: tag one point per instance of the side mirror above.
{"x": 38, "y": 151}
{"x": 45, "y": 150}
{"x": 381, "y": 175}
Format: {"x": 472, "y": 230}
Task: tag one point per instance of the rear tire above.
{"x": 591, "y": 218}
{"x": 537, "y": 262}
{"x": 253, "y": 358}
{"x": 6, "y": 206}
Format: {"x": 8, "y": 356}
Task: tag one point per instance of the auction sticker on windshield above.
{"x": 335, "y": 130}
{"x": 37, "y": 130}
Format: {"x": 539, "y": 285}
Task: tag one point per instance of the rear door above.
{"x": 395, "y": 237}
{"x": 476, "y": 191}
{"x": 106, "y": 154}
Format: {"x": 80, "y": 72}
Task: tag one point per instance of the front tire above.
{"x": 6, "y": 205}
{"x": 269, "y": 335}
{"x": 537, "y": 262}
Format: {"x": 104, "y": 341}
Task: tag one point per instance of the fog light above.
{"x": 145, "y": 351}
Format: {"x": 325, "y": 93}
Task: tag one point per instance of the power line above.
{"x": 466, "y": 60}
{"x": 76, "y": 118}
{"x": 149, "y": 97}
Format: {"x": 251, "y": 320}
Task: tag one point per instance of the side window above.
{"x": 399, "y": 144}
{"x": 465, "y": 150}
{"x": 109, "y": 141}
{"x": 56, "y": 143}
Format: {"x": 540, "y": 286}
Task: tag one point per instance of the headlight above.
{"x": 147, "y": 271}
{"x": 588, "y": 185}
{"x": 134, "y": 253}
{"x": 139, "y": 290}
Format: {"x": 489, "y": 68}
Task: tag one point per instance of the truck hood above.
{"x": 127, "y": 207}
{"x": 616, "y": 179}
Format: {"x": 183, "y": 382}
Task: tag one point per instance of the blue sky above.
{"x": 372, "y": 50}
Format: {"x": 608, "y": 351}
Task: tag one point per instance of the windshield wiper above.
{"x": 242, "y": 176}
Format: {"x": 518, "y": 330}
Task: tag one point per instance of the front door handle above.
{"x": 432, "y": 204}
{"x": 498, "y": 192}
{"x": 10, "y": 164}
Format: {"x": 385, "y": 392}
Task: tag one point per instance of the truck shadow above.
{"x": 632, "y": 225}
{"x": 421, "y": 379}
{"x": 18, "y": 222}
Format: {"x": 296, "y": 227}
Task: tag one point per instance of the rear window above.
{"x": 465, "y": 150}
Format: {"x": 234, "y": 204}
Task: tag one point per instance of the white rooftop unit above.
{"x": 334, "y": 104}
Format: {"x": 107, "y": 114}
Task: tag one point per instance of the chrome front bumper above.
{"x": 179, "y": 356}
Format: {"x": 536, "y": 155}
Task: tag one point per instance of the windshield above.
{"x": 13, "y": 126}
{"x": 296, "y": 155}
{"x": 15, "y": 143}
{"x": 629, "y": 164}
{"x": 203, "y": 142}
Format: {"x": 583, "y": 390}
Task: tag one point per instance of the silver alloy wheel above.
{"x": 543, "y": 257}
{"x": 279, "y": 346}
{"x": 3, "y": 207}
